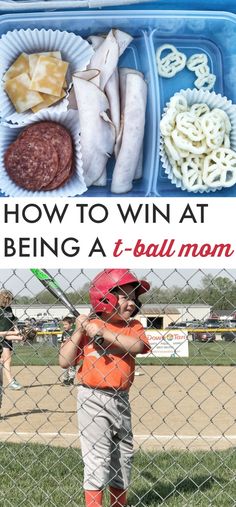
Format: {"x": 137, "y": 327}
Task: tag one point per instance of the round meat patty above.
{"x": 57, "y": 135}
{"x": 61, "y": 177}
{"x": 31, "y": 164}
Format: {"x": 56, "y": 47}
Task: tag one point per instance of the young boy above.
{"x": 68, "y": 373}
{"x": 108, "y": 341}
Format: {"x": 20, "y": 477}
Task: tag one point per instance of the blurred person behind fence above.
{"x": 68, "y": 324}
{"x": 106, "y": 375}
{"x": 8, "y": 332}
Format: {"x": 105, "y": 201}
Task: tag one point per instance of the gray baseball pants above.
{"x": 104, "y": 420}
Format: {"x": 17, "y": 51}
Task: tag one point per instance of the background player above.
{"x": 68, "y": 324}
{"x": 8, "y": 332}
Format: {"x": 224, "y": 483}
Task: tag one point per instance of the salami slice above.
{"x": 61, "y": 140}
{"x": 31, "y": 164}
{"x": 61, "y": 177}
{"x": 43, "y": 154}
{"x": 57, "y": 135}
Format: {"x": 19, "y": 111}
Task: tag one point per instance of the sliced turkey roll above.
{"x": 97, "y": 130}
{"x": 132, "y": 134}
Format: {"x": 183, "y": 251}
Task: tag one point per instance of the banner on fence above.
{"x": 167, "y": 343}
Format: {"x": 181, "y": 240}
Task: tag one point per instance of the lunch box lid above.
{"x": 7, "y": 6}
{"x": 38, "y": 5}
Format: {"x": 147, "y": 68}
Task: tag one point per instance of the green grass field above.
{"x": 37, "y": 475}
{"x": 217, "y": 353}
{"x": 33, "y": 475}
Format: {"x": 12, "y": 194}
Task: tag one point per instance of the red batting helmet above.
{"x": 101, "y": 297}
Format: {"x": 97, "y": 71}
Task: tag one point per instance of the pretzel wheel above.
{"x": 213, "y": 125}
{"x": 189, "y": 125}
{"x": 202, "y": 70}
{"x": 176, "y": 167}
{"x": 192, "y": 169}
{"x": 170, "y": 64}
{"x": 196, "y": 60}
{"x": 205, "y": 82}
{"x": 220, "y": 168}
{"x": 222, "y": 114}
{"x": 179, "y": 103}
{"x": 167, "y": 123}
{"x": 184, "y": 143}
{"x": 171, "y": 149}
{"x": 199, "y": 109}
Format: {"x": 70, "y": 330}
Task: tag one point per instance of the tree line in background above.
{"x": 219, "y": 292}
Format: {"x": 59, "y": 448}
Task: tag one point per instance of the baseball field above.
{"x": 184, "y": 431}
{"x": 174, "y": 407}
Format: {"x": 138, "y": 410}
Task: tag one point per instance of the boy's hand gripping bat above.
{"x": 54, "y": 288}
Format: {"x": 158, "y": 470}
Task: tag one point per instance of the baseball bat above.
{"x": 54, "y": 288}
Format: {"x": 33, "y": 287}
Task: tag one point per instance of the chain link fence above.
{"x": 182, "y": 397}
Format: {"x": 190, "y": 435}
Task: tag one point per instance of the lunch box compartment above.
{"x": 136, "y": 56}
{"x": 213, "y": 33}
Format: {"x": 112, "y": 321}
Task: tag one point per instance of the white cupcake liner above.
{"x": 74, "y": 186}
{"x": 75, "y": 50}
{"x": 213, "y": 100}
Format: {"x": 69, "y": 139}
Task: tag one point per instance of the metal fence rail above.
{"x": 182, "y": 398}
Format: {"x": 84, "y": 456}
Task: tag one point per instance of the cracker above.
{"x": 49, "y": 75}
{"x": 18, "y": 90}
{"x": 20, "y": 66}
{"x": 48, "y": 100}
{"x": 33, "y": 58}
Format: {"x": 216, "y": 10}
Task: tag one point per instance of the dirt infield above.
{"x": 174, "y": 407}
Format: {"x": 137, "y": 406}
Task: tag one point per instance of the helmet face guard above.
{"x": 102, "y": 290}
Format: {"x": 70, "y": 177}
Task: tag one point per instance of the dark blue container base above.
{"x": 210, "y": 32}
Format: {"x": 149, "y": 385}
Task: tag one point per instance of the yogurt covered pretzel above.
{"x": 189, "y": 125}
{"x": 198, "y": 63}
{"x": 213, "y": 125}
{"x": 198, "y": 145}
{"x": 202, "y": 70}
{"x": 192, "y": 170}
{"x": 219, "y": 168}
{"x": 195, "y": 61}
{"x": 199, "y": 109}
{"x": 185, "y": 143}
{"x": 205, "y": 82}
{"x": 173, "y": 62}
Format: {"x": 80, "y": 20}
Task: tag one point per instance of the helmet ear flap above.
{"x": 110, "y": 301}
{"x": 105, "y": 303}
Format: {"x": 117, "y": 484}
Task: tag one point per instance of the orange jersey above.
{"x": 110, "y": 367}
